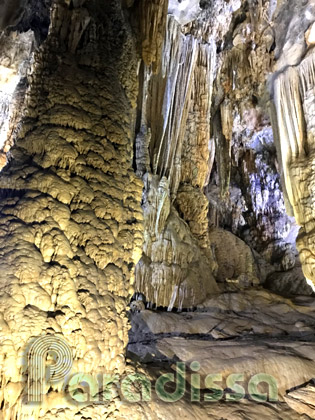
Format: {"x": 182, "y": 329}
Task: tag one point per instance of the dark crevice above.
{"x": 53, "y": 314}
{"x": 35, "y": 17}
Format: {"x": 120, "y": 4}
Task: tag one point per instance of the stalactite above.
{"x": 15, "y": 57}
{"x": 178, "y": 63}
{"x": 223, "y": 154}
{"x": 176, "y": 112}
{"x": 290, "y": 119}
{"x": 294, "y": 102}
{"x": 190, "y": 64}
{"x": 142, "y": 151}
{"x": 196, "y": 159}
{"x": 153, "y": 14}
{"x": 227, "y": 120}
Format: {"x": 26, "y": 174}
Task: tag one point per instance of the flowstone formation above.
{"x": 293, "y": 89}
{"x": 174, "y": 155}
{"x": 158, "y": 154}
{"x": 71, "y": 221}
{"x": 211, "y": 146}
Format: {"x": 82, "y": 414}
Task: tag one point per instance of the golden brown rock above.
{"x": 71, "y": 220}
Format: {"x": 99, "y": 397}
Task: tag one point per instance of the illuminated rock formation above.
{"x": 176, "y": 266}
{"x": 294, "y": 104}
{"x": 71, "y": 222}
{"x": 140, "y": 151}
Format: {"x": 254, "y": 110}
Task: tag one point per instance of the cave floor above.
{"x": 247, "y": 332}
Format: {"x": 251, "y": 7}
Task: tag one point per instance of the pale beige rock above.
{"x": 302, "y": 400}
{"x": 295, "y": 124}
{"x": 246, "y": 332}
{"x": 175, "y": 134}
{"x": 153, "y": 15}
{"x": 289, "y": 368}
{"x": 71, "y": 226}
{"x": 233, "y": 256}
{"x": 310, "y": 35}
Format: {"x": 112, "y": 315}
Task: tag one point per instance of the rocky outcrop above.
{"x": 302, "y": 400}
{"x": 236, "y": 262}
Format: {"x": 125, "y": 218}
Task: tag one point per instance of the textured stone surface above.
{"x": 176, "y": 266}
{"x": 302, "y": 400}
{"x": 294, "y": 89}
{"x": 173, "y": 270}
{"x": 160, "y": 105}
{"x": 15, "y": 57}
{"x": 238, "y": 332}
{"x": 234, "y": 258}
{"x": 247, "y": 192}
{"x": 71, "y": 222}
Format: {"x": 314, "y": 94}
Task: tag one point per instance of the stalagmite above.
{"x": 142, "y": 216}
{"x": 70, "y": 206}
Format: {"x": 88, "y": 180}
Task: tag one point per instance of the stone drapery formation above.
{"x": 245, "y": 191}
{"x": 145, "y": 154}
{"x": 293, "y": 100}
{"x": 293, "y": 90}
{"x": 71, "y": 221}
{"x": 174, "y": 156}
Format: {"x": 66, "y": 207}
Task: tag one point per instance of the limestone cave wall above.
{"x": 162, "y": 148}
